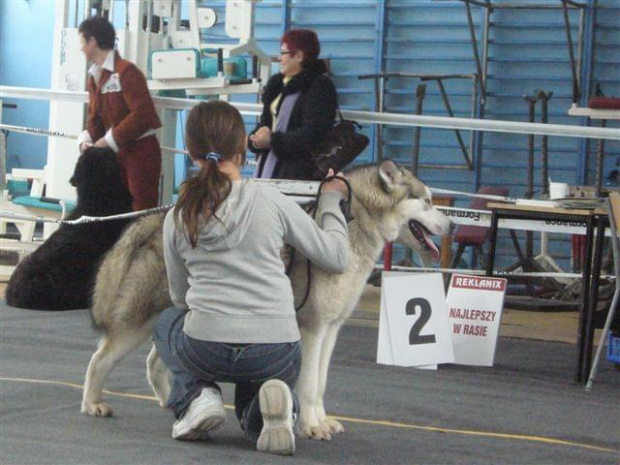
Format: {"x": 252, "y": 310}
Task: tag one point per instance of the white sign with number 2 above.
{"x": 414, "y": 327}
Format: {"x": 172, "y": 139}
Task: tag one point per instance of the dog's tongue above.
{"x": 421, "y": 233}
{"x": 432, "y": 247}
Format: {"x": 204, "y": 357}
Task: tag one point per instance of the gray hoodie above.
{"x": 233, "y": 284}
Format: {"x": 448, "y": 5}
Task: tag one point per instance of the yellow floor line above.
{"x": 519, "y": 437}
{"x": 391, "y": 424}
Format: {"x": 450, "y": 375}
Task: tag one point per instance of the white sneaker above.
{"x": 276, "y": 406}
{"x": 205, "y": 413}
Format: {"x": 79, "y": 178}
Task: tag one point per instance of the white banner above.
{"x": 483, "y": 218}
{"x": 475, "y": 305}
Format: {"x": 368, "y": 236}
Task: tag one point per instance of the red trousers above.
{"x": 140, "y": 162}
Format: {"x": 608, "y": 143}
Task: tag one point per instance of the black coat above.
{"x": 312, "y": 116}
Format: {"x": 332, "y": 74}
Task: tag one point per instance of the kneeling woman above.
{"x": 233, "y": 318}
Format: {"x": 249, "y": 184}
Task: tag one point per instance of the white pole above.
{"x": 442, "y": 122}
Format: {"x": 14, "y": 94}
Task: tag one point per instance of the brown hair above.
{"x": 214, "y": 131}
{"x": 304, "y": 40}
{"x": 101, "y": 29}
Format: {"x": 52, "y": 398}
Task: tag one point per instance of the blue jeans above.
{"x": 197, "y": 364}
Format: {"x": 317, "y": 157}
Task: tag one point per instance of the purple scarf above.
{"x": 281, "y": 124}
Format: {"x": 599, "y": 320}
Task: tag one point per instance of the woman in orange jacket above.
{"x": 121, "y": 114}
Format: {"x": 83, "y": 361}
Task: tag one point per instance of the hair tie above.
{"x": 213, "y": 156}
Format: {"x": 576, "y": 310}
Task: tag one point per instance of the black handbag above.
{"x": 339, "y": 147}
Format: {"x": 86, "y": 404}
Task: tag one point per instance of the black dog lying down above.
{"x": 59, "y": 275}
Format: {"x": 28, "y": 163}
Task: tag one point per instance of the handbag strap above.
{"x": 358, "y": 125}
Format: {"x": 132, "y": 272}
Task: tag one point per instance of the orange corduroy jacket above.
{"x": 122, "y": 101}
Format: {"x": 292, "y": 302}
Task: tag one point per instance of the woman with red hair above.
{"x": 300, "y": 105}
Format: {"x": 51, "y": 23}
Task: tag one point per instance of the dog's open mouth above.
{"x": 423, "y": 236}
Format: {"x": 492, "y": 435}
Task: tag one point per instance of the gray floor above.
{"x": 525, "y": 409}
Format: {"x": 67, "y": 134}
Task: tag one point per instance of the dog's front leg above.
{"x": 158, "y": 376}
{"x": 308, "y": 384}
{"x": 327, "y": 350}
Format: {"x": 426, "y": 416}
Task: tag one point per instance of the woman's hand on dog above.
{"x": 84, "y": 146}
{"x": 102, "y": 143}
{"x": 335, "y": 185}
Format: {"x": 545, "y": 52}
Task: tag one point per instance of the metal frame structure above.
{"x": 613, "y": 209}
{"x": 239, "y": 25}
{"x": 379, "y": 80}
{"x": 482, "y": 63}
{"x": 596, "y": 221}
{"x": 482, "y": 66}
{"x": 603, "y": 116}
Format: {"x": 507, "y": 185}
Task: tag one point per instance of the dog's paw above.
{"x": 335, "y": 427}
{"x": 99, "y": 409}
{"x": 318, "y": 433}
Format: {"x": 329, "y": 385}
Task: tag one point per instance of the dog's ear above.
{"x": 390, "y": 175}
{"x": 76, "y": 171}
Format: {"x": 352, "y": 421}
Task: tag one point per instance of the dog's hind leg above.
{"x": 112, "y": 349}
{"x": 327, "y": 350}
{"x": 312, "y": 340}
{"x": 158, "y": 375}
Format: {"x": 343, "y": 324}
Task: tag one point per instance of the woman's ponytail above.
{"x": 215, "y": 132}
{"x": 199, "y": 198}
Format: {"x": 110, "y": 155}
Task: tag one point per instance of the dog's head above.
{"x": 97, "y": 173}
{"x": 402, "y": 204}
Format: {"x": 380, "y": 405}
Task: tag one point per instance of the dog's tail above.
{"x": 116, "y": 265}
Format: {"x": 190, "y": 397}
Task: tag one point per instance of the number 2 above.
{"x": 425, "y": 315}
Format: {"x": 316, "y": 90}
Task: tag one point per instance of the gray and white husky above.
{"x": 388, "y": 204}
